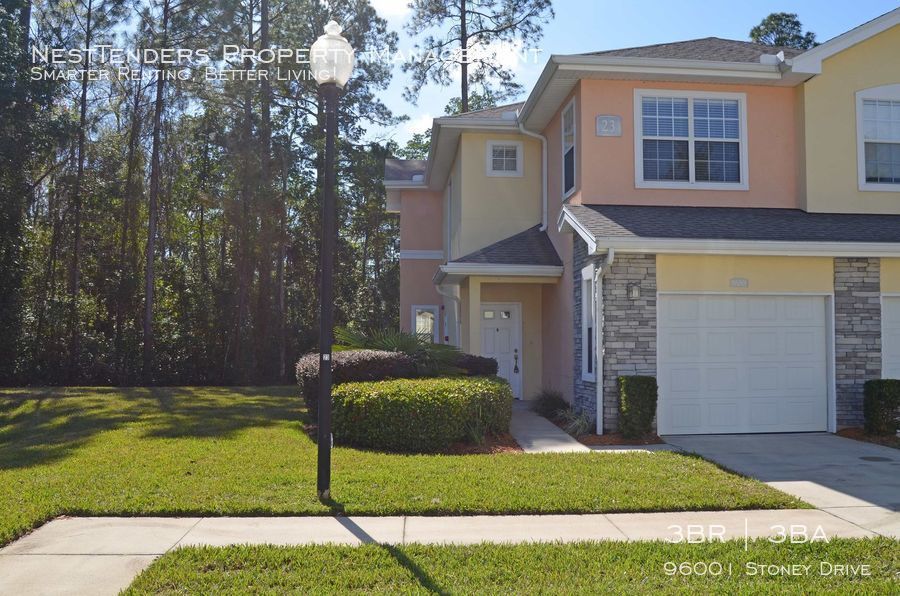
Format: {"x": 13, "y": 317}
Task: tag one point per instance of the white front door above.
{"x": 742, "y": 364}
{"x": 890, "y": 343}
{"x": 501, "y": 339}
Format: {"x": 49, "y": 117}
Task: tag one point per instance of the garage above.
{"x": 890, "y": 343}
{"x": 742, "y": 363}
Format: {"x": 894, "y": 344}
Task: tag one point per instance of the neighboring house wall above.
{"x": 492, "y": 208}
{"x": 831, "y": 126}
{"x": 857, "y": 326}
{"x": 607, "y": 163}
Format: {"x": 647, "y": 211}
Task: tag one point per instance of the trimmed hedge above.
{"x": 348, "y": 366}
{"x": 637, "y": 405}
{"x": 476, "y": 366}
{"x": 420, "y": 415}
{"x": 881, "y": 405}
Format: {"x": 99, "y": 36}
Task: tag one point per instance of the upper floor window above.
{"x": 568, "y": 149}
{"x": 690, "y": 140}
{"x": 878, "y": 138}
{"x": 504, "y": 158}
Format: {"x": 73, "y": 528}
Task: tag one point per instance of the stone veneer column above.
{"x": 857, "y": 333}
{"x": 584, "y": 392}
{"x": 629, "y": 327}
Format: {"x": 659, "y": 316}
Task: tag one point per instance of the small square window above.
{"x": 504, "y": 158}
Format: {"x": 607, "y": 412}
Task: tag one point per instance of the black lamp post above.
{"x": 331, "y": 59}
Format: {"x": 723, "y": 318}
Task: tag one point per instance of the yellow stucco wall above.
{"x": 890, "y": 275}
{"x": 829, "y": 103}
{"x": 713, "y": 273}
{"x": 492, "y": 208}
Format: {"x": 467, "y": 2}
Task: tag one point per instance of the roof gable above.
{"x": 811, "y": 61}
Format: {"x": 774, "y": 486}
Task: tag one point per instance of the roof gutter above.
{"x": 543, "y": 172}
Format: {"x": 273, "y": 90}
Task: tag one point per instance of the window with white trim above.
{"x": 568, "y": 149}
{"x": 504, "y": 158}
{"x": 690, "y": 140}
{"x": 588, "y": 349}
{"x": 425, "y": 321}
{"x": 878, "y": 137}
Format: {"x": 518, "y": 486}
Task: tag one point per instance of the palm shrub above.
{"x": 431, "y": 359}
{"x": 420, "y": 415}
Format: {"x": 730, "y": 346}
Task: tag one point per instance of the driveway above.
{"x": 853, "y": 480}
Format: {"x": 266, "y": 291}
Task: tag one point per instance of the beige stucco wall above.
{"x": 607, "y": 163}
{"x": 890, "y": 276}
{"x": 492, "y": 208}
{"x": 713, "y": 273}
{"x": 416, "y": 289}
{"x": 831, "y": 141}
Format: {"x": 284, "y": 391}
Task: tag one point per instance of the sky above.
{"x": 592, "y": 25}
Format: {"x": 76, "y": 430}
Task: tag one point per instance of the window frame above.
{"x": 691, "y": 183}
{"x": 434, "y": 308}
{"x": 588, "y": 348}
{"x": 562, "y": 137}
{"x": 489, "y": 159}
{"x": 885, "y": 93}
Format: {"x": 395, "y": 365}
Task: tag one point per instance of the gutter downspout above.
{"x": 543, "y": 172}
{"x": 598, "y": 332}
{"x": 448, "y": 293}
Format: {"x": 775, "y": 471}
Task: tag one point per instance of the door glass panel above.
{"x": 505, "y": 314}
{"x": 488, "y": 314}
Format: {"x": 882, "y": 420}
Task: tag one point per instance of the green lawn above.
{"x": 585, "y": 568}
{"x": 217, "y": 451}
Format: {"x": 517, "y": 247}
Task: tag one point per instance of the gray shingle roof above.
{"x": 403, "y": 170}
{"x": 734, "y": 223}
{"x": 531, "y": 247}
{"x": 714, "y": 49}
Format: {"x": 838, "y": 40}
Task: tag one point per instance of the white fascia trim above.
{"x": 429, "y": 255}
{"x": 403, "y": 184}
{"x": 753, "y": 247}
{"x": 810, "y": 62}
{"x": 491, "y": 269}
{"x": 567, "y": 219}
{"x": 668, "y": 66}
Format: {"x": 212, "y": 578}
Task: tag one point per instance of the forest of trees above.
{"x": 166, "y": 231}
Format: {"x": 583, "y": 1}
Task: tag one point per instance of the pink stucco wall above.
{"x": 607, "y": 163}
{"x": 421, "y": 228}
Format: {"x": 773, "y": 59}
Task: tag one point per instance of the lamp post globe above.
{"x": 331, "y": 60}
{"x": 331, "y": 57}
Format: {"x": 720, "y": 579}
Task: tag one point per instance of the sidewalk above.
{"x": 96, "y": 555}
{"x": 536, "y": 434}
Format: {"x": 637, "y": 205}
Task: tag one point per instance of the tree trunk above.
{"x": 75, "y": 275}
{"x": 153, "y": 215}
{"x": 464, "y": 66}
{"x": 267, "y": 213}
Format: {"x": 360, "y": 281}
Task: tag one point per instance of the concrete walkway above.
{"x": 536, "y": 434}
{"x": 94, "y": 555}
{"x": 853, "y": 480}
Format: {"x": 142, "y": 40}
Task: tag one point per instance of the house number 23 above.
{"x": 609, "y": 126}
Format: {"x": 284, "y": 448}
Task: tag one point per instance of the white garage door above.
{"x": 742, "y": 364}
{"x": 890, "y": 343}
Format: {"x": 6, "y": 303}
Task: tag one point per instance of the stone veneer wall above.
{"x": 857, "y": 333}
{"x": 629, "y": 329}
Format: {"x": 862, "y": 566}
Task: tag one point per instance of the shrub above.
{"x": 550, "y": 404}
{"x": 431, "y": 359}
{"x": 420, "y": 415}
{"x": 575, "y": 423}
{"x": 881, "y": 403}
{"x": 476, "y": 366}
{"x": 351, "y": 365}
{"x": 637, "y": 405}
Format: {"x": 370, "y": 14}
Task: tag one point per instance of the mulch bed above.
{"x": 618, "y": 439}
{"x": 860, "y": 434}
